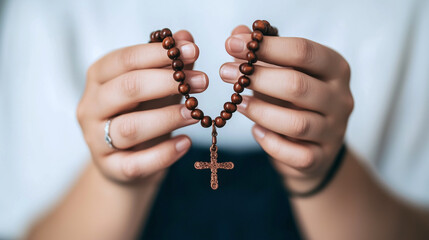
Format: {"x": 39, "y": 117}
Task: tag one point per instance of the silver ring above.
{"x": 107, "y": 137}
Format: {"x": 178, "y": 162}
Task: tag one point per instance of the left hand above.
{"x": 301, "y": 103}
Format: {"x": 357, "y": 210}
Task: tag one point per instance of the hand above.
{"x": 301, "y": 103}
{"x": 134, "y": 87}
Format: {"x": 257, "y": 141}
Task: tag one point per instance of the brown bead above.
{"x": 246, "y": 69}
{"x": 191, "y": 103}
{"x": 177, "y": 64}
{"x": 230, "y": 107}
{"x": 206, "y": 121}
{"x": 179, "y": 76}
{"x": 251, "y": 57}
{"x": 260, "y": 26}
{"x": 197, "y": 114}
{"x": 219, "y": 122}
{"x": 225, "y": 115}
{"x": 253, "y": 45}
{"x": 184, "y": 88}
{"x": 165, "y": 33}
{"x": 152, "y": 37}
{"x": 272, "y": 31}
{"x": 266, "y": 23}
{"x": 244, "y": 81}
{"x": 236, "y": 98}
{"x": 173, "y": 53}
{"x": 238, "y": 88}
{"x": 257, "y": 36}
{"x": 157, "y": 36}
{"x": 168, "y": 42}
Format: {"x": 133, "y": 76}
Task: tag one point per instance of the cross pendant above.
{"x": 213, "y": 165}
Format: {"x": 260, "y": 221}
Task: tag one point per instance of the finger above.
{"x": 300, "y": 156}
{"x": 126, "y": 166}
{"x": 184, "y": 36}
{"x": 131, "y": 88}
{"x": 130, "y": 129}
{"x": 285, "y": 84}
{"x": 297, "y": 124}
{"x": 141, "y": 56}
{"x": 308, "y": 56}
{"x": 241, "y": 29}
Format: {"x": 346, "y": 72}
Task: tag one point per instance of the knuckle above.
{"x": 130, "y": 170}
{"x": 129, "y": 58}
{"x": 127, "y": 128}
{"x": 307, "y": 160}
{"x": 298, "y": 86}
{"x": 80, "y": 113}
{"x": 347, "y": 70}
{"x": 274, "y": 148}
{"x": 90, "y": 73}
{"x": 301, "y": 126}
{"x": 130, "y": 86}
{"x": 350, "y": 104}
{"x": 305, "y": 51}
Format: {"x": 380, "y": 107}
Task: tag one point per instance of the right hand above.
{"x": 134, "y": 88}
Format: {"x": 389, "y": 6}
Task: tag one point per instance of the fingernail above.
{"x": 186, "y": 113}
{"x": 236, "y": 44}
{"x": 198, "y": 82}
{"x": 187, "y": 51}
{"x": 243, "y": 105}
{"x": 183, "y": 144}
{"x": 259, "y": 131}
{"x": 229, "y": 72}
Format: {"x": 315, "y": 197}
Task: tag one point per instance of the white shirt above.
{"x": 46, "y": 47}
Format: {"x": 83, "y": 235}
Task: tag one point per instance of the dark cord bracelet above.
{"x": 328, "y": 177}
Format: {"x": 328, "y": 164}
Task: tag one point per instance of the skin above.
{"x": 302, "y": 90}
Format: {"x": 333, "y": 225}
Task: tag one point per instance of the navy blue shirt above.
{"x": 250, "y": 203}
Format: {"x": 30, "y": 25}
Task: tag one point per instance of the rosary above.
{"x": 260, "y": 28}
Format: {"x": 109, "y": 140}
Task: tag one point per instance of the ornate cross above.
{"x": 213, "y": 165}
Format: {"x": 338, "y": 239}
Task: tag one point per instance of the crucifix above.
{"x": 213, "y": 165}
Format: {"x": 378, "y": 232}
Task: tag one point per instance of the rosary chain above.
{"x": 260, "y": 28}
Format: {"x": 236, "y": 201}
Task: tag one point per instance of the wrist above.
{"x": 307, "y": 187}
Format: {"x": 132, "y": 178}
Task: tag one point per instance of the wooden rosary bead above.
{"x": 246, "y": 69}
{"x": 272, "y": 31}
{"x": 266, "y": 23}
{"x": 206, "y": 121}
{"x": 244, "y": 81}
{"x": 236, "y": 98}
{"x": 184, "y": 88}
{"x": 230, "y": 107}
{"x": 197, "y": 114}
{"x": 173, "y": 53}
{"x": 191, "y": 103}
{"x": 157, "y": 36}
{"x": 253, "y": 45}
{"x": 166, "y": 33}
{"x": 225, "y": 115}
{"x": 219, "y": 122}
{"x": 238, "y": 88}
{"x": 152, "y": 37}
{"x": 260, "y": 26}
{"x": 168, "y": 42}
{"x": 177, "y": 65}
{"x": 257, "y": 36}
{"x": 179, "y": 76}
{"x": 251, "y": 57}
